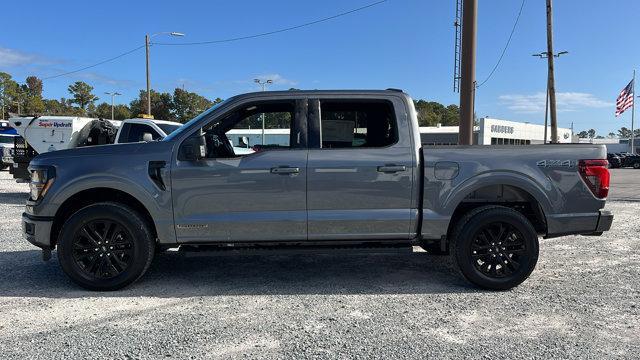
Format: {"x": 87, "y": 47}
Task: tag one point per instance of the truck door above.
{"x": 360, "y": 170}
{"x": 255, "y": 195}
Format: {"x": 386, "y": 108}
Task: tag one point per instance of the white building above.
{"x": 490, "y": 131}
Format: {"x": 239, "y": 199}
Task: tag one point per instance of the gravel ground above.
{"x": 580, "y": 302}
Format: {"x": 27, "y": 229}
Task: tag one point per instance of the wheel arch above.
{"x": 527, "y": 200}
{"x": 95, "y": 195}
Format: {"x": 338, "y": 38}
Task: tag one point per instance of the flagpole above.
{"x": 633, "y": 110}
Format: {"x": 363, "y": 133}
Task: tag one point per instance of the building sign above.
{"x": 502, "y": 129}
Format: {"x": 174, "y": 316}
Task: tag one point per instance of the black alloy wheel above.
{"x": 103, "y": 248}
{"x": 106, "y": 246}
{"x": 497, "y": 249}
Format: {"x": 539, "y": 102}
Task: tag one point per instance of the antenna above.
{"x": 456, "y": 51}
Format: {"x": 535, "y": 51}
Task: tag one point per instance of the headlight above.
{"x": 41, "y": 180}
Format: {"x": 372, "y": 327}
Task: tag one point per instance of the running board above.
{"x": 287, "y": 249}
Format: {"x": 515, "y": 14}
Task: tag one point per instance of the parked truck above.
{"x": 40, "y": 134}
{"x": 352, "y": 176}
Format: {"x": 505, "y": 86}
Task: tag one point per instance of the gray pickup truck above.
{"x": 352, "y": 174}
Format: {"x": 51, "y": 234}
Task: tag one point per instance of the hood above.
{"x": 95, "y": 153}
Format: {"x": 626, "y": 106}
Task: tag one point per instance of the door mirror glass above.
{"x": 193, "y": 149}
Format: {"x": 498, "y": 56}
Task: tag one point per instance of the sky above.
{"x": 406, "y": 44}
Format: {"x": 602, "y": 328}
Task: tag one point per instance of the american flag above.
{"x": 625, "y": 99}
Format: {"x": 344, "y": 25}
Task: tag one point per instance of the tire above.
{"x": 88, "y": 258}
{"x": 492, "y": 258}
{"x": 636, "y": 165}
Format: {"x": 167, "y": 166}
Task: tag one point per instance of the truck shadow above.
{"x": 23, "y": 274}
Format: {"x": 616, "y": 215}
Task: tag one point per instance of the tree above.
{"x": 431, "y": 113}
{"x": 636, "y": 133}
{"x": 583, "y": 134}
{"x": 120, "y": 111}
{"x": 32, "y": 91}
{"x": 81, "y": 93}
{"x": 161, "y": 105}
{"x": 624, "y": 133}
{"x": 187, "y": 105}
{"x": 611, "y": 135}
{"x": 592, "y": 133}
{"x": 10, "y": 94}
{"x": 599, "y": 137}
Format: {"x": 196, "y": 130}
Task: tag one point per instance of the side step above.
{"x": 294, "y": 249}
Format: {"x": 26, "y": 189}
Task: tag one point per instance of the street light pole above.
{"x": 113, "y": 95}
{"x": 147, "y": 43}
{"x": 545, "y": 55}
{"x": 263, "y": 84}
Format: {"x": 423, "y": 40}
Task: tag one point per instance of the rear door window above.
{"x": 361, "y": 124}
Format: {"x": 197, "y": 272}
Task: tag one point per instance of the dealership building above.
{"x": 490, "y": 131}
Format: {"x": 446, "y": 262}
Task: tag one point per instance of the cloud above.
{"x": 12, "y": 57}
{"x": 566, "y": 102}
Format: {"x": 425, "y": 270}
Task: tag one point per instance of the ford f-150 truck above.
{"x": 353, "y": 175}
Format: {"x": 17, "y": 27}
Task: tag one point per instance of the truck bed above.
{"x": 544, "y": 178}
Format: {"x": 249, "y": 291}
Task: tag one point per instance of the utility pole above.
{"x": 113, "y": 95}
{"x": 468, "y": 71}
{"x": 263, "y": 84}
{"x": 551, "y": 78}
{"x": 147, "y": 43}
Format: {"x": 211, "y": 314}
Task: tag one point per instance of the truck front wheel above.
{"x": 495, "y": 247}
{"x": 105, "y": 246}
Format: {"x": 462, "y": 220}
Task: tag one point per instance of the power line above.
{"x": 274, "y": 31}
{"x": 96, "y": 64}
{"x": 505, "y": 47}
{"x": 221, "y": 40}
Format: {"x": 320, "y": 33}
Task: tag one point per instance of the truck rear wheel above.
{"x": 105, "y": 246}
{"x": 495, "y": 247}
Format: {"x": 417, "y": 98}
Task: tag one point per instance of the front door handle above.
{"x": 284, "y": 170}
{"x": 391, "y": 168}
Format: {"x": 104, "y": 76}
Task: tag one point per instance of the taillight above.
{"x": 595, "y": 174}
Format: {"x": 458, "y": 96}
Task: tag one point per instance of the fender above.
{"x": 157, "y": 202}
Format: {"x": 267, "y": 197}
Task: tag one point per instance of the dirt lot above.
{"x": 581, "y": 302}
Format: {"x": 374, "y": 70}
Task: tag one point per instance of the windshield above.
{"x": 194, "y": 120}
{"x": 168, "y": 128}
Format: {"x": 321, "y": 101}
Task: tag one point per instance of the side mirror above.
{"x": 147, "y": 137}
{"x": 193, "y": 149}
{"x": 244, "y": 141}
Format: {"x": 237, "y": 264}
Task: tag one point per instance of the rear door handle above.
{"x": 284, "y": 170}
{"x": 391, "y": 168}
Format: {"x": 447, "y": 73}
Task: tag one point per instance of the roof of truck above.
{"x": 326, "y": 92}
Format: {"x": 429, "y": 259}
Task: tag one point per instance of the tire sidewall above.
{"x": 143, "y": 245}
{"x": 467, "y": 234}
